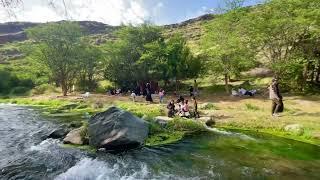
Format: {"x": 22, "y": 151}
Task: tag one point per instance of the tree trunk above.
{"x": 318, "y": 73}
{"x": 64, "y": 88}
{"x": 312, "y": 73}
{"x": 226, "y": 82}
{"x": 304, "y": 76}
{"x": 176, "y": 85}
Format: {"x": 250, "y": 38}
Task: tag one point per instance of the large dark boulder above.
{"x": 117, "y": 130}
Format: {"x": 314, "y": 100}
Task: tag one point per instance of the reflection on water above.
{"x": 214, "y": 155}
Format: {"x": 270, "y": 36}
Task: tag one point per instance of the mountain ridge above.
{"x": 15, "y": 31}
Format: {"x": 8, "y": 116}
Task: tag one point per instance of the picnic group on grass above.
{"x": 181, "y": 106}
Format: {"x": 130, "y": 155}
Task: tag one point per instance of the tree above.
{"x": 123, "y": 65}
{"x": 226, "y": 45}
{"x": 181, "y": 63}
{"x": 90, "y": 62}
{"x": 58, "y": 47}
{"x": 280, "y": 31}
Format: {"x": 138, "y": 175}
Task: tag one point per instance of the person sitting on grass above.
{"x": 180, "y": 99}
{"x": 185, "y": 109}
{"x": 171, "y": 109}
{"x": 247, "y": 93}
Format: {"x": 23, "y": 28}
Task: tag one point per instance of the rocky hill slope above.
{"x": 13, "y": 33}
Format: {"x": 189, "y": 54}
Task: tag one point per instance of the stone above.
{"x": 162, "y": 120}
{"x": 294, "y": 128}
{"x": 74, "y": 137}
{"x": 207, "y": 120}
{"x": 58, "y": 133}
{"x": 117, "y": 130}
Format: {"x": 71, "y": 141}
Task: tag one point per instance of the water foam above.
{"x": 240, "y": 135}
{"x": 44, "y": 145}
{"x": 89, "y": 168}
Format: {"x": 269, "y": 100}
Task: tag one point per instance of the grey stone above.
{"x": 117, "y": 130}
{"x": 74, "y": 137}
{"x": 58, "y": 133}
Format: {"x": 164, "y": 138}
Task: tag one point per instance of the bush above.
{"x": 44, "y": 88}
{"x": 19, "y": 90}
{"x": 207, "y": 106}
{"x": 188, "y": 125}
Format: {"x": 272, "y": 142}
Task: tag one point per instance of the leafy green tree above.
{"x": 227, "y": 46}
{"x": 181, "y": 63}
{"x": 280, "y": 30}
{"x": 123, "y": 65}
{"x": 90, "y": 67}
{"x": 58, "y": 47}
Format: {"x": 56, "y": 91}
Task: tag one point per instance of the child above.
{"x": 171, "y": 109}
{"x": 133, "y": 96}
{"x": 161, "y": 95}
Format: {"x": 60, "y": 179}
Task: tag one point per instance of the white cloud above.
{"x": 113, "y": 12}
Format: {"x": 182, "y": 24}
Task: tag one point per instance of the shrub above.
{"x": 43, "y": 88}
{"x": 19, "y": 90}
{"x": 208, "y": 106}
{"x": 180, "y": 124}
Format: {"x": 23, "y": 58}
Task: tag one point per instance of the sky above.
{"x": 112, "y": 12}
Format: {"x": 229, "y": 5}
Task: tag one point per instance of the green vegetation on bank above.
{"x": 76, "y": 113}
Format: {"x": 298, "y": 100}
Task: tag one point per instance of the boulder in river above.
{"x": 117, "y": 130}
{"x": 74, "y": 137}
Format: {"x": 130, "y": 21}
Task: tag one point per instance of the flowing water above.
{"x": 24, "y": 154}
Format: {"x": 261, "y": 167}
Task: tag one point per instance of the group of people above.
{"x": 183, "y": 109}
{"x": 243, "y": 92}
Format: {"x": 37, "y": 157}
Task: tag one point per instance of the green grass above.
{"x": 251, "y": 107}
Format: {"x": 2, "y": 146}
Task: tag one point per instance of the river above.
{"x": 26, "y": 154}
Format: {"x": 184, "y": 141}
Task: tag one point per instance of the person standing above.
{"x": 275, "y": 96}
{"x": 195, "y": 88}
{"x": 161, "y": 95}
{"x": 195, "y": 106}
{"x": 191, "y": 91}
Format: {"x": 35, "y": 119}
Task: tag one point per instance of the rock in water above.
{"x": 58, "y": 133}
{"x": 117, "y": 130}
{"x": 74, "y": 137}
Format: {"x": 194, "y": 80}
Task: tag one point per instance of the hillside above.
{"x": 12, "y": 34}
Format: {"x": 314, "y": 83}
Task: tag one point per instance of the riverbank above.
{"x": 228, "y": 112}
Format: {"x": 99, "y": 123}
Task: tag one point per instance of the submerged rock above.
{"x": 117, "y": 130}
{"x": 294, "y": 128}
{"x": 74, "y": 137}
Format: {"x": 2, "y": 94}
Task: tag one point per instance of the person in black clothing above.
{"x": 149, "y": 97}
{"x": 180, "y": 99}
{"x": 171, "y": 108}
{"x": 191, "y": 90}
